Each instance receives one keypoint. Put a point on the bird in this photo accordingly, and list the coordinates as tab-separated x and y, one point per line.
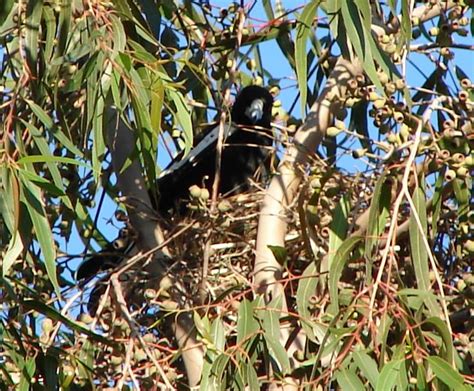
247	142
246	146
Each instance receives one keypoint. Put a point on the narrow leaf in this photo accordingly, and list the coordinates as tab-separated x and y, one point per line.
303	31
446	373
418	249
43	231
247	325
270	316
378	213
14	249
52	313
388	376
337	266
349	381
338	227
367	366
306	289
443	330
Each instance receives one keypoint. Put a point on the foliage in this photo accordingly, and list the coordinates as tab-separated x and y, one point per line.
380	239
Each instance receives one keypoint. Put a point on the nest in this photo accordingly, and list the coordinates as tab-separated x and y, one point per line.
212	254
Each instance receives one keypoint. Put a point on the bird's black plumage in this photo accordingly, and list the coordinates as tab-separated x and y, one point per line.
245	148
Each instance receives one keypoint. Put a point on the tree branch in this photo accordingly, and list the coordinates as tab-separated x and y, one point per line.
121	142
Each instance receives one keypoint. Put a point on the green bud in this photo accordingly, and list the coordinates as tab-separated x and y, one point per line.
333	131
469	246
400	84
251	64
379	103
275	90
358	153
47	326
195	191
450	175
258	81
434	31
204	194
224	206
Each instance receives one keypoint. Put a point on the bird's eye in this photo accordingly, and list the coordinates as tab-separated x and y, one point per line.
255	111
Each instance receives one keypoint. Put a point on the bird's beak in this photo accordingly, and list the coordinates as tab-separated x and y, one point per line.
255	111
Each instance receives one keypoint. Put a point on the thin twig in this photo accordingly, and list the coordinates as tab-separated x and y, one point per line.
117	290
406	193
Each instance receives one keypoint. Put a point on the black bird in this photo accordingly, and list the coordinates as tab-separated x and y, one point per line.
246	147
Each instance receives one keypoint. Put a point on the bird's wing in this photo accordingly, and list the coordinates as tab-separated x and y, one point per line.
207	143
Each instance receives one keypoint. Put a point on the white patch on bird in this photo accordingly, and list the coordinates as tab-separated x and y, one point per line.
209	140
255	111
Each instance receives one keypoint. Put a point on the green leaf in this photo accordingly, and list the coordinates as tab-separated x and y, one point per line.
303	31
247	325
43	183
14	249
421	378
416	297
437	203
5	9
267	6
348	380
443	330
51	159
306	289
48	158
463	194
34	10
367	366
86	359
359	124
337	266
98	146
447	374
280	253
388	376
378	213
218	334
338	227
183	118
157	99
332	8
202	325
119	37
27	374
251	377
148	138
406	34
48	124
53	314
359	31
219	369
42	115
65	15
50	34
32	199
9	202
270	317
418	249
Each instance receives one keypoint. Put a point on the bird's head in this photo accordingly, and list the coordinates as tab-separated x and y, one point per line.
253	106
